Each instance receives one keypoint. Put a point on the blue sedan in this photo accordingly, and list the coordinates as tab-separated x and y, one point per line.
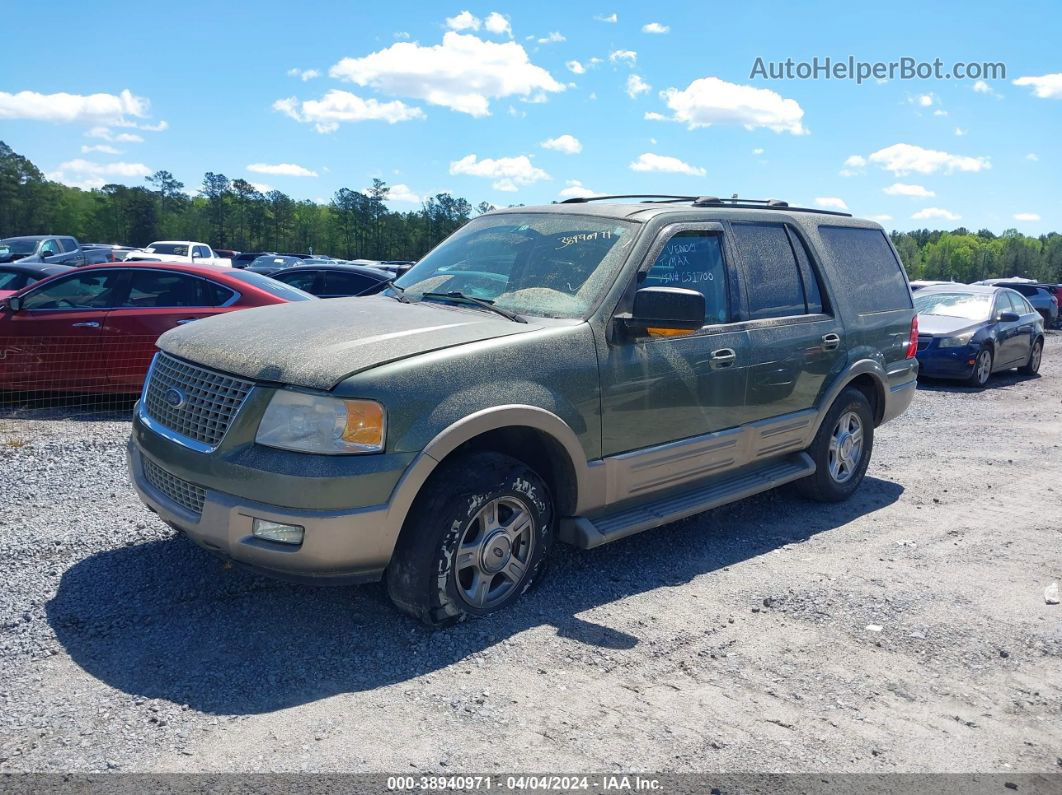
969	332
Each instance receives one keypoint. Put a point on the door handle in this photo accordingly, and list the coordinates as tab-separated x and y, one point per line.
724	357
89	324
830	341
187	320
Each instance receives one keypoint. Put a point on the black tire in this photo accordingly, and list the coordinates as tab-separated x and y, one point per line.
427	580
1032	366
824	486
980	375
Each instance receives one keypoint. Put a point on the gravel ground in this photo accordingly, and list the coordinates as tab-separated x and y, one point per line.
903	630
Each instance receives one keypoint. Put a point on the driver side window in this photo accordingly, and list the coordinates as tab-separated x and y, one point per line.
81	291
49	248
693	260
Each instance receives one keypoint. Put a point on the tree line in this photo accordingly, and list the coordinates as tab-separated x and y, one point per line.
226	213
232	213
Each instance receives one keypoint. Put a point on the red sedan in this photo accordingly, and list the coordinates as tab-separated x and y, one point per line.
94	329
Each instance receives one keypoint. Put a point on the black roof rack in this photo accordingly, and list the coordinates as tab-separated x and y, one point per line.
711	201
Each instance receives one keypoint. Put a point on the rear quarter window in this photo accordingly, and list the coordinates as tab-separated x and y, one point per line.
867	273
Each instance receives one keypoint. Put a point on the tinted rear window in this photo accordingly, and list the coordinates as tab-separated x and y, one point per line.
868	273
772	275
271	286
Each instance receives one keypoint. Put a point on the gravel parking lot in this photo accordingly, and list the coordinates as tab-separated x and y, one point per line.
904	630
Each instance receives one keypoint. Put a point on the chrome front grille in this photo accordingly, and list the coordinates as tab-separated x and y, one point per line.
180	491
192	401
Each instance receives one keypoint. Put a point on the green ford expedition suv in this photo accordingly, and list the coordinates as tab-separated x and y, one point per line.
580	371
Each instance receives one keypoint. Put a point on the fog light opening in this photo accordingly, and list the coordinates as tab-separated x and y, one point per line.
278	532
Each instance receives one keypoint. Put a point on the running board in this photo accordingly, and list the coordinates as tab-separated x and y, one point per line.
588	533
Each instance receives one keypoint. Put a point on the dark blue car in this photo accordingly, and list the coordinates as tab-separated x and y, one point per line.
969	332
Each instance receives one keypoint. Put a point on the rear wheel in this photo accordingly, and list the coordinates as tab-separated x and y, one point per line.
476	538
1032	366
982	368
841	449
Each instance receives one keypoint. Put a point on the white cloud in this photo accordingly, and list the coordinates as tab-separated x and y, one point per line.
939	112
960	131
162	125
103	148
466	20
903	159
508	173
830	203
553	38
1045	86
64	108
935	213
924	100
855	161
757	151
463	73
341	106
636	86
981	87
281	169
576	68
880	218
576	189
1032	156
610	18
709	100
1026	217
568	144
105	134
497	24
629	57
402	193
665	164
401	34
655	27
262	187
87	175
303	74
904	189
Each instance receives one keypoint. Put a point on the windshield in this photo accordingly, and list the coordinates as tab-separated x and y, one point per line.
550	265
272	286
19	246
168	248
970	306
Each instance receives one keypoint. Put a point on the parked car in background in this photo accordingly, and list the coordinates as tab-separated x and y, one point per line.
270	264
94	329
245	258
115	252
179	251
96	256
16	275
52	249
968	332
392	266
919	284
226	253
335	280
1041	296
580	372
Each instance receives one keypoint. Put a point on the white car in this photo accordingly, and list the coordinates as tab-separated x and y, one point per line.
187	251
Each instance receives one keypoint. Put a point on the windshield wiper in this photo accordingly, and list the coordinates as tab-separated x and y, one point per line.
482	302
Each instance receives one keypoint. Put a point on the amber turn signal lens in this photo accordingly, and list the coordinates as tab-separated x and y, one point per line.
365	423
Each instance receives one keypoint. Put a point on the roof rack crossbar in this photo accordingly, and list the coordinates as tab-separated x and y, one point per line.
711	201
672	197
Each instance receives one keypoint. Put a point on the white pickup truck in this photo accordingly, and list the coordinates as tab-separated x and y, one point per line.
186	251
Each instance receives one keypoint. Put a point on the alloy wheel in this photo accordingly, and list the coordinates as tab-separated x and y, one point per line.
494	552
846	447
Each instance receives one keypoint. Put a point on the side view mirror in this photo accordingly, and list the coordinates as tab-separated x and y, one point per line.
13	304
1009	317
666	311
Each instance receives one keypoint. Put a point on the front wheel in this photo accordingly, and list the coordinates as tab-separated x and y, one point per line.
982	368
475	540
841	449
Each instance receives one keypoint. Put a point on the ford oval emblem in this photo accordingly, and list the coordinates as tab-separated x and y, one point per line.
174	397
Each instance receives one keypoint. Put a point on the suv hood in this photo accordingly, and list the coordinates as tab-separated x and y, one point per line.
316	344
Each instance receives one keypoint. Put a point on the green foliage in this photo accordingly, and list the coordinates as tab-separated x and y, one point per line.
225	213
963	256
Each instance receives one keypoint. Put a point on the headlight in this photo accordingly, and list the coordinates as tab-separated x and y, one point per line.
956	342
321	424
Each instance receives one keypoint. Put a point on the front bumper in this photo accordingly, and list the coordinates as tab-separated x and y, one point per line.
339	547
936	362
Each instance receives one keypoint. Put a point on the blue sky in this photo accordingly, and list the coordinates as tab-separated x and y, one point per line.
527	102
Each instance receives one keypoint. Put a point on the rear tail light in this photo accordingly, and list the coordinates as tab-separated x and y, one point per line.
912	342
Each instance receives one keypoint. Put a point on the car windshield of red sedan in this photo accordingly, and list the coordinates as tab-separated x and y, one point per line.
970	306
